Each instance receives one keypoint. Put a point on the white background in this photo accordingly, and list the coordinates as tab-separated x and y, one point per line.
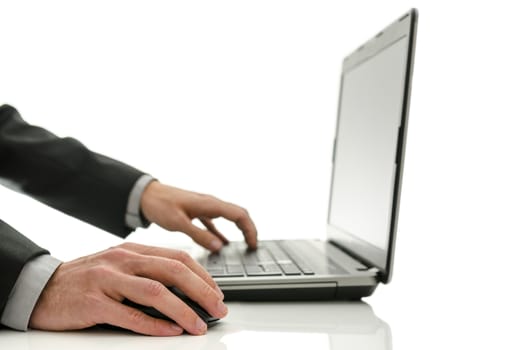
239	100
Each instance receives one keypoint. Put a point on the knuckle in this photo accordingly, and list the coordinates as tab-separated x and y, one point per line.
177	266
240	212
127	246
244	212
211	198
183	257
207	201
136	316
154	288
206	292
117	253
201	195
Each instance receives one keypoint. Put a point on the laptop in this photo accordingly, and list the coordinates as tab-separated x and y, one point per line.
364	195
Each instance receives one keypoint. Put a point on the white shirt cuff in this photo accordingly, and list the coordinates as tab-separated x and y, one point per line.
26	291
133	216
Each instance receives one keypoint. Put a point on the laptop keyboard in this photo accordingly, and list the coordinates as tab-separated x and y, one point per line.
271	259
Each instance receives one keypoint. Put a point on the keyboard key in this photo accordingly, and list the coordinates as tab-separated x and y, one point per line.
253	270
263	256
214	261
262	270
232	259
290	269
271	268
307	271
215	272
277	252
235	269
249	258
226	272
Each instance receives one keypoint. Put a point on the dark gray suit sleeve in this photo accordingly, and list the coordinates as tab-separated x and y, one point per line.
64	174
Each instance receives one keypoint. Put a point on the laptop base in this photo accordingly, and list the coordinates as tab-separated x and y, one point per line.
297	294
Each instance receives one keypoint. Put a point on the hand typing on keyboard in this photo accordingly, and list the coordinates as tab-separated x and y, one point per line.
174	209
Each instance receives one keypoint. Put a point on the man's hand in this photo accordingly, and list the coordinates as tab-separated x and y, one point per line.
174	209
90	291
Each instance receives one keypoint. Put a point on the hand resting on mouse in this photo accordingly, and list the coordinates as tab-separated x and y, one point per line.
90	290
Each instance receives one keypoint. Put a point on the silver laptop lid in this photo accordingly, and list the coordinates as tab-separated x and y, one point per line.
370	144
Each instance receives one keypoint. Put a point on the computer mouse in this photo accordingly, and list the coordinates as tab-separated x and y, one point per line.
200	311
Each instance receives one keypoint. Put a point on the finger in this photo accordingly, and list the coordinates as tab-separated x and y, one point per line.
210	226
236	214
178	255
152	293
203	237
127	317
247	226
174	273
243	221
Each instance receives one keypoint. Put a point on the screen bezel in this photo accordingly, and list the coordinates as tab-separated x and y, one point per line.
360	249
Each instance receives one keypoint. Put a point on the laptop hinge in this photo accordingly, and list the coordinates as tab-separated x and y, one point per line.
368	264
373	270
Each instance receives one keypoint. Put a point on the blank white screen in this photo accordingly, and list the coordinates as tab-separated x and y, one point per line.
367	136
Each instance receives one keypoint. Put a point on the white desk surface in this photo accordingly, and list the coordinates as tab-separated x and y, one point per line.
323	325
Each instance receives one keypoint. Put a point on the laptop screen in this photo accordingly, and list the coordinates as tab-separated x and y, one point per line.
367	157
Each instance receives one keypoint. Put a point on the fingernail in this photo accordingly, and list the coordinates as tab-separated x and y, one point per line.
201	327
215	245
220	292
222	308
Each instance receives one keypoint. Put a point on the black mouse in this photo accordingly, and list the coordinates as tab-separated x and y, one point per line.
200	311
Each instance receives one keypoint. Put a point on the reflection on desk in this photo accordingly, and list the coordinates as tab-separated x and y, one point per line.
303	325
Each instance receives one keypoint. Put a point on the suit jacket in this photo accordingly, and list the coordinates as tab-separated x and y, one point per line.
62	173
